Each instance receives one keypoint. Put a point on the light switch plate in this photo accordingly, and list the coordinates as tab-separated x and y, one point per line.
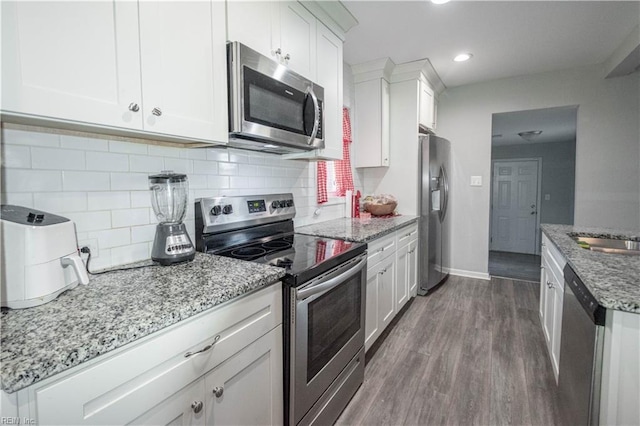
547	197
476	180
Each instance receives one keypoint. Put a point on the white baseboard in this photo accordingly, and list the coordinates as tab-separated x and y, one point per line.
470	274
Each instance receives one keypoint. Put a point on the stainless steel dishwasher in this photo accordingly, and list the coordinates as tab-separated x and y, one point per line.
581	345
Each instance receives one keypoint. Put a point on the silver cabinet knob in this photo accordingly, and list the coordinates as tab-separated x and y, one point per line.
156	111
277	52
287	57
196	406
218	391
134	107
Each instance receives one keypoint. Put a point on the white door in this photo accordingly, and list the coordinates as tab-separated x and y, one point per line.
514	215
180	87
297	32
76	61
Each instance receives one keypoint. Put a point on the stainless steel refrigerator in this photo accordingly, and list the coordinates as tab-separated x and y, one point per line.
434	225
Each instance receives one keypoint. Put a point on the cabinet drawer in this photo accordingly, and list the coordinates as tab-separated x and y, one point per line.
123	386
407	234
381	248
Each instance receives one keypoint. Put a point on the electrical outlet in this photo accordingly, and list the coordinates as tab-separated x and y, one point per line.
92	243
476	180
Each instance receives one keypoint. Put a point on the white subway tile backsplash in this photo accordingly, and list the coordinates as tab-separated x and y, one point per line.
60	202
198	181
85	181
164	151
129	217
57	159
25	180
142	234
218	182
111	237
107	161
205	167
178	165
24	199
128	147
217	154
16	156
90	221
227	169
129	181
144	163
108	200
22	137
238	157
195	154
132	253
83	143
140	199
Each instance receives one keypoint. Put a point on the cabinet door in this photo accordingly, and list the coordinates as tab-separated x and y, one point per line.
329	76
183	93
413	268
557	327
372	123
371	324
386	288
184	408
402	276
254	23
297	35
74	61
427	108
549	298
246	389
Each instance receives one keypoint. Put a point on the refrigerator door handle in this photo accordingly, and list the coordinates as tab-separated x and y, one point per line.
445	192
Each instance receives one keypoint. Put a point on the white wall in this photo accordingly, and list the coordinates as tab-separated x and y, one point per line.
607	149
102	185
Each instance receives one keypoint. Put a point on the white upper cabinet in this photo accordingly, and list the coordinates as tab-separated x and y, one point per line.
282	31
75	61
427	115
152	67
371	136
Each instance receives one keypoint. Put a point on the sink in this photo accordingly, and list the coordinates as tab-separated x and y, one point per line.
609	245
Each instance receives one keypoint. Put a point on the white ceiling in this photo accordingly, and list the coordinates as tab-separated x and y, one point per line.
557	125
507	38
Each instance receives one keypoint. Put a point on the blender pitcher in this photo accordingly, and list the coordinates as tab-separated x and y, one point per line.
169	197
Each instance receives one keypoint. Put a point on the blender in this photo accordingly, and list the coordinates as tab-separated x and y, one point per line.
169	196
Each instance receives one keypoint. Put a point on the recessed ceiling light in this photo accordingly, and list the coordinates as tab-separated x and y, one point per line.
439	1
463	57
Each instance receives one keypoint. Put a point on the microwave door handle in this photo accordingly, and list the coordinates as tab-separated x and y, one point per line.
327	285
316	115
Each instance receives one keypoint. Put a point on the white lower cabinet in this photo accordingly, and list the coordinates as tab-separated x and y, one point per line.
391	279
163	378
551	299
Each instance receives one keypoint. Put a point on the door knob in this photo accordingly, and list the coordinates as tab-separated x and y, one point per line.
196	406
218	391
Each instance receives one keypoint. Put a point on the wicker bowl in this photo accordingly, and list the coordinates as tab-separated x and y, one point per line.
380	209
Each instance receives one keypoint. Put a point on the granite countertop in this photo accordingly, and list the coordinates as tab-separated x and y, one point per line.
613	279
357	229
115	309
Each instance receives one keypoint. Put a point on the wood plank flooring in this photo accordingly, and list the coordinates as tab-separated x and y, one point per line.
470	353
514	265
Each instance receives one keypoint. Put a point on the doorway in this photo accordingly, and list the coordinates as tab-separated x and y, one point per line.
532	182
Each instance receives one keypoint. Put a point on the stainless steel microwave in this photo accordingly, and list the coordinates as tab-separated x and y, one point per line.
271	108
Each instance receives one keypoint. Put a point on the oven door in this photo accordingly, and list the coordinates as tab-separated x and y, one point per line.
327	333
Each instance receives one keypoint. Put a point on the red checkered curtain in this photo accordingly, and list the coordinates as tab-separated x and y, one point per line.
321	179
344	177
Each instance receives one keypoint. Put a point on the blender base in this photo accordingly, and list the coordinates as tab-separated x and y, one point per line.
172	244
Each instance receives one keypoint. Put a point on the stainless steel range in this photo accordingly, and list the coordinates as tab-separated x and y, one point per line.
324	297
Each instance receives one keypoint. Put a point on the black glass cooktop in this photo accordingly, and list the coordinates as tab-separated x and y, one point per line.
303	256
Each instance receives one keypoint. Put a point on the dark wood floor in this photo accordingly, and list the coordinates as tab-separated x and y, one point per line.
472	352
518	266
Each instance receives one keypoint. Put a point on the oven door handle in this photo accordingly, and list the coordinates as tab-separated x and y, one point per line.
322	286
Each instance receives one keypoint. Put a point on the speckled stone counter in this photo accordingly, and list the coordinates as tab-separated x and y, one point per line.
358	230
613	279
115	309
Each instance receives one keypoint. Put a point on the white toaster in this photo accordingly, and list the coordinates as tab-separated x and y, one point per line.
40	257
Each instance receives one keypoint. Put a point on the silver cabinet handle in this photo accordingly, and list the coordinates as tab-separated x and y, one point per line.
287	57
206	348
196	406
156	111
218	391
278	51
134	107
381	249
549	284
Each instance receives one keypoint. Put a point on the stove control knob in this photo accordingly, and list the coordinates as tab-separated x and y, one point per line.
228	209
276	204
216	210
289	203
